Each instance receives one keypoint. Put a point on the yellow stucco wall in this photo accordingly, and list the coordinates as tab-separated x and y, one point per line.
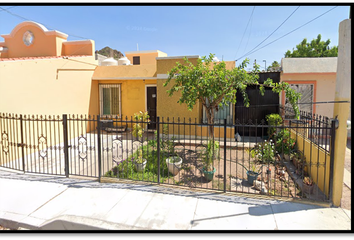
37	87
146	58
124	71
86	47
325	85
314	156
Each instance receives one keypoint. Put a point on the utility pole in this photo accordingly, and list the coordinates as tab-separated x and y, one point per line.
265	65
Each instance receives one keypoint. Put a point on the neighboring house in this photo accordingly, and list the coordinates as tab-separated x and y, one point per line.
315	79
43	73
100	58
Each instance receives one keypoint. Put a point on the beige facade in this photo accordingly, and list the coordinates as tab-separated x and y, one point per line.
319	72
42	73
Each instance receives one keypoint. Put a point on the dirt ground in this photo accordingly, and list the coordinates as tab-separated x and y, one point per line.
236	179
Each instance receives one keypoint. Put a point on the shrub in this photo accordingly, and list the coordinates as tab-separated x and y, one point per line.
264	152
284	143
273	119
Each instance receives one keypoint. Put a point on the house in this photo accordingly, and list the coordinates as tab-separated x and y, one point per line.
315	79
43	73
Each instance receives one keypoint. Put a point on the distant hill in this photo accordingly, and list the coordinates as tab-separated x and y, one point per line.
107	50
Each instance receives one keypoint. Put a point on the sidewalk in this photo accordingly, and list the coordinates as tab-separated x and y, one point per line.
58	203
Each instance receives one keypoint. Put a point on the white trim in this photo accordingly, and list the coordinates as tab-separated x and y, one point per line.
101	86
162	76
177	57
125	78
31	23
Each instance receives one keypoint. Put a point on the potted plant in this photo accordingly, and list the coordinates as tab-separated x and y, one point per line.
307	185
138	129
174	164
252	172
210	154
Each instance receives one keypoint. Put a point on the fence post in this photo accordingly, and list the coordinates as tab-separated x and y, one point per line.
22	145
158	148
99	147
224	155
66	144
331	163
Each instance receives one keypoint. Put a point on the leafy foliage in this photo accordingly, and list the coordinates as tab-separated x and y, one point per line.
274	65
264	152
315	48
273	119
211	153
211	84
284	143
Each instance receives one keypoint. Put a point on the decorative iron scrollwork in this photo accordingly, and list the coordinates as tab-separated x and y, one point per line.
117	150
82	148
42	146
5	142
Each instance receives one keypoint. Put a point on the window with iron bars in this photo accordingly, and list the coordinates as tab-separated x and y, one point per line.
224	112
110	103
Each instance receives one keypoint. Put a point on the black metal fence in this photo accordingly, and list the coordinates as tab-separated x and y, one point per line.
273	160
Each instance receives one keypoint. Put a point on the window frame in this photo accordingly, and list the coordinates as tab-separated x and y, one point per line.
218	121
134	59
110	86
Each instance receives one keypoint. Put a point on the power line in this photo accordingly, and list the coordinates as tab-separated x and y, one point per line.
245	30
26	19
8	8
288	33
248	35
274	30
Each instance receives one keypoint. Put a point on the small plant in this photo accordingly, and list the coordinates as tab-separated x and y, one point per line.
284	143
210	154
264	152
308	181
138	128
273	119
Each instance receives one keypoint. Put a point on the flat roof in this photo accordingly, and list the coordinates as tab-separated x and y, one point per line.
144	51
178	57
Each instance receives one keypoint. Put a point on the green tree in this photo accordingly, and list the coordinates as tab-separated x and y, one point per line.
315	48
275	64
213	85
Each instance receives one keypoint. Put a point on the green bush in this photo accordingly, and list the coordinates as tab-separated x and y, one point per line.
284	143
264	152
273	119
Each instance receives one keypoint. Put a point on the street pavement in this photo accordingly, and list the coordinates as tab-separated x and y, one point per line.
42	202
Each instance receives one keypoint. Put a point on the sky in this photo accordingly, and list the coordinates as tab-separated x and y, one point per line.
229	32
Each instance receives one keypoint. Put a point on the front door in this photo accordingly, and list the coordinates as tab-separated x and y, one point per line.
151	106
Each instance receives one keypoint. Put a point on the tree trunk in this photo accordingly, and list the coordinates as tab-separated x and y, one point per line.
210	118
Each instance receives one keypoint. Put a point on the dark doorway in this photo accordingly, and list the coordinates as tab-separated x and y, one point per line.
151	106
260	106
